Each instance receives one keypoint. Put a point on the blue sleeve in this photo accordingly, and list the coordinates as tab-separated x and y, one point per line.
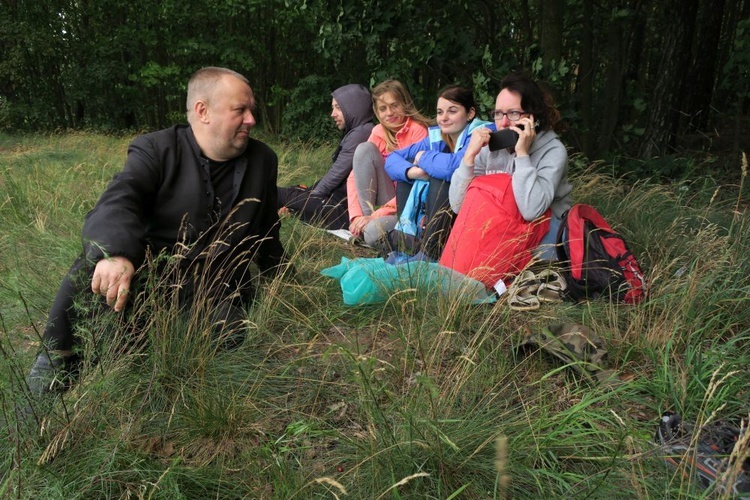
441	165
401	160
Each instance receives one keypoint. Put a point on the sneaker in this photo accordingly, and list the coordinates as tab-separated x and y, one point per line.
709	458
52	371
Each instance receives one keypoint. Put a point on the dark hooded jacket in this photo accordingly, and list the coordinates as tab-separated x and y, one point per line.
355	102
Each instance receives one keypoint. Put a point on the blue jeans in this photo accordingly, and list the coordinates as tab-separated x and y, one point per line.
546	249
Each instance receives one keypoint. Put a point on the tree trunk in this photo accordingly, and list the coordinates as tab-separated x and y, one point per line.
585	79
551	21
609	114
527	31
703	70
673	71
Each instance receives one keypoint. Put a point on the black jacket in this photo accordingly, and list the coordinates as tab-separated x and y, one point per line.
163	201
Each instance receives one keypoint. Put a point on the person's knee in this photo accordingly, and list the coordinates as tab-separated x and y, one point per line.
373	235
364	153
376	232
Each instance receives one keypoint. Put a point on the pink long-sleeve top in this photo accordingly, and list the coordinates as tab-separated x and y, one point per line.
407	135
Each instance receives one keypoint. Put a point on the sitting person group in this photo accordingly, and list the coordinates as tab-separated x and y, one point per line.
206	195
439	192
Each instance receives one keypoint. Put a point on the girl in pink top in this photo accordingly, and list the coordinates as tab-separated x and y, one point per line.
370	192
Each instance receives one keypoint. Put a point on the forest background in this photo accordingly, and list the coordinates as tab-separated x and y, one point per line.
637	80
422	396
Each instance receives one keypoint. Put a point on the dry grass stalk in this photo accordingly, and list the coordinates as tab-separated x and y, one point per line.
501	462
740	453
404	481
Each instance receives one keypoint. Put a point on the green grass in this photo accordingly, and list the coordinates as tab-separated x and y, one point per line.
419	397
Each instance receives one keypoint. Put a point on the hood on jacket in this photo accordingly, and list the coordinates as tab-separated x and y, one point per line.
355	102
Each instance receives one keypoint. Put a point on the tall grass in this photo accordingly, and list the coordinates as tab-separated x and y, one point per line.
423	396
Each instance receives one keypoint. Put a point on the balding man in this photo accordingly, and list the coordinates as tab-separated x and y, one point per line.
204	193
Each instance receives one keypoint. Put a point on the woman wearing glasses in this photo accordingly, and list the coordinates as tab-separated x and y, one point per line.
532	186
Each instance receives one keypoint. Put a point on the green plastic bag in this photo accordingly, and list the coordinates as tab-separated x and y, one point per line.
373	281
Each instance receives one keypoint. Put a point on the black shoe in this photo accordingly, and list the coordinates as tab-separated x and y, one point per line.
50	373
228	325
48	376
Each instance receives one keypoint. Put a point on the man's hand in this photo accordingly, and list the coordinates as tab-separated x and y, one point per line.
283	212
112	279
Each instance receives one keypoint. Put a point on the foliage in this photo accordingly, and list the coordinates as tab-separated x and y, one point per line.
736	73
115	66
309	118
413	398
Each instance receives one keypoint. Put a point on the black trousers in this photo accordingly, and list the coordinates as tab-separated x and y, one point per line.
216	289
327	212
439	220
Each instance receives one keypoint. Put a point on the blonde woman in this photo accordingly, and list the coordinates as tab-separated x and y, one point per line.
371	193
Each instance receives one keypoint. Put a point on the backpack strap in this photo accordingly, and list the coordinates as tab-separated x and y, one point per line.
589	213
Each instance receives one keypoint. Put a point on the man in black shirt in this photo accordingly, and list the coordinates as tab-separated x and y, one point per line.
204	193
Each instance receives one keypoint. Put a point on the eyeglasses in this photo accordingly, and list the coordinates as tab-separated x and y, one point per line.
513	116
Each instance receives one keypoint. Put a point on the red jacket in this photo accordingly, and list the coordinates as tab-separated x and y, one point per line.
490	240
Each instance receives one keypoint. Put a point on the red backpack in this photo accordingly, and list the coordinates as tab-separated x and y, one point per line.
596	260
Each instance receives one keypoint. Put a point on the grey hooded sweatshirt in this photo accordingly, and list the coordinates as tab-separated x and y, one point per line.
539	180
355	102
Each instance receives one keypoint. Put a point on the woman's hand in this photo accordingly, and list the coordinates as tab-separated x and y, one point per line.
479	138
415	173
357	226
526	135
